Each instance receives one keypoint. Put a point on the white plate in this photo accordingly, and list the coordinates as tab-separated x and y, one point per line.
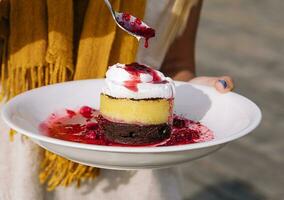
230	116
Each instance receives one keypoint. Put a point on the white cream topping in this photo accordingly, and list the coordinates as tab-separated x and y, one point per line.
117	76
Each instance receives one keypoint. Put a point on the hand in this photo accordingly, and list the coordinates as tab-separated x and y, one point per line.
223	84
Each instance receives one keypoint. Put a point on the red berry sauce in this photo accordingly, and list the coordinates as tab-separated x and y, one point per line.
86	112
83	129
136	69
136	26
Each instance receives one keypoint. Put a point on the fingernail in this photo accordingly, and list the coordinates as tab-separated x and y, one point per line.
224	83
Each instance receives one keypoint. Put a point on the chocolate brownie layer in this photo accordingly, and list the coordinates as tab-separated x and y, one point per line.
133	134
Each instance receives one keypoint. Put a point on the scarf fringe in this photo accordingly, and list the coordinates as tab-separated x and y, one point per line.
55	170
11	135
22	78
58	171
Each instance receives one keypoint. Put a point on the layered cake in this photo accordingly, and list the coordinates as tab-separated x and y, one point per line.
136	105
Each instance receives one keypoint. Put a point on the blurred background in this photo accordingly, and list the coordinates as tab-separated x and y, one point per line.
244	39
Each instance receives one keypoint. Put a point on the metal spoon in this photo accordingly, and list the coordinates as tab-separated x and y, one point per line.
132	25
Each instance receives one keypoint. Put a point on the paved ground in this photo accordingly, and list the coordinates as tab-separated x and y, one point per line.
244	39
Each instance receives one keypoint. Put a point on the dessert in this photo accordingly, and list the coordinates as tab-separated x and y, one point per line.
136	105
135	110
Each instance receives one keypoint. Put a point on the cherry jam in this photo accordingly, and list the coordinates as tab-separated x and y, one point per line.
136	69
136	26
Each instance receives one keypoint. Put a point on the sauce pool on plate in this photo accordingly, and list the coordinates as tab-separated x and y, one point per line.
82	126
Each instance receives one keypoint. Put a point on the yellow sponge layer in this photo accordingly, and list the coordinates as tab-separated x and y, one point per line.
156	111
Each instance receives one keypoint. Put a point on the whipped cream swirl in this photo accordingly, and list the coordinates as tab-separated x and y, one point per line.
138	82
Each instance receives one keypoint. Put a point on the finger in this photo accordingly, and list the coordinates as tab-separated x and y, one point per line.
224	84
204	80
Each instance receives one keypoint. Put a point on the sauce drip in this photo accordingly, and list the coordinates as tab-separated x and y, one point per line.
79	127
136	26
136	69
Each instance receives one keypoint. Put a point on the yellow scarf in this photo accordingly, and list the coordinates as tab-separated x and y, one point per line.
51	41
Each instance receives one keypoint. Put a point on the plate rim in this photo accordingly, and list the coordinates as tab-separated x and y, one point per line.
163	149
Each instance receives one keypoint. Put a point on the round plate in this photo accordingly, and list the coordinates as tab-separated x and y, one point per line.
230	116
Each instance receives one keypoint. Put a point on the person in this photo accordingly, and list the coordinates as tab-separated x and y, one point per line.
172	51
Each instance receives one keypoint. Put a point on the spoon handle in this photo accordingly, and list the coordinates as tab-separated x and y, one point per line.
110	8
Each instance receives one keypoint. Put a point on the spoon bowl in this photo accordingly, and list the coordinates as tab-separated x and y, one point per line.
132	25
